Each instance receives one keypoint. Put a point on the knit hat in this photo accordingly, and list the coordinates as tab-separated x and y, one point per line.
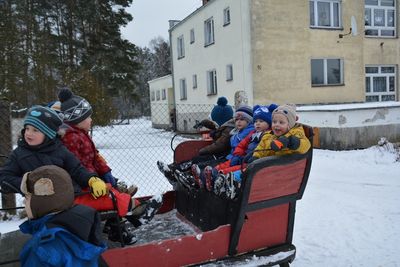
44	119
50	188
264	113
222	112
74	108
244	112
289	111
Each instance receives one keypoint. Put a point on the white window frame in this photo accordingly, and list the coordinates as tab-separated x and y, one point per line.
194	80
229	72
181	47
325	72
163	94
369	78
183	89
227	16
381	30
209	32
314	18
211	82
192	37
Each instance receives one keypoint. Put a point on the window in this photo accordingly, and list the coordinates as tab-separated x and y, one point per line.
192	36
227	16
380	83
163	94
380	17
153	96
326	72
182	87
194	79
212	82
229	72
158	95
209	32
181	47
325	14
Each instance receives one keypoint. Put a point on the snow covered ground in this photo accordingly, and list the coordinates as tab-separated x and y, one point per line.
349	214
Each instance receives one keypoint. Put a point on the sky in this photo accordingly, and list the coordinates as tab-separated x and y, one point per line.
348	215
150	18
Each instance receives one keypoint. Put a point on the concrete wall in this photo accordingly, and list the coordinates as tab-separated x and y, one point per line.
353	126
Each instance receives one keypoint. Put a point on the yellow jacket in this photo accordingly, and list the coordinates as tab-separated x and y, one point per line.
264	147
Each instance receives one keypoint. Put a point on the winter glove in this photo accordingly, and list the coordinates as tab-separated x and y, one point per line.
236	160
109	178
294	142
291	142
97	187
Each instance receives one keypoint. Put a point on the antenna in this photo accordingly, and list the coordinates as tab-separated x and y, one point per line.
353	28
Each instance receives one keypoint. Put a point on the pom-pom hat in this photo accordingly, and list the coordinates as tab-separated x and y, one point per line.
44	119
222	112
264	113
244	112
74	108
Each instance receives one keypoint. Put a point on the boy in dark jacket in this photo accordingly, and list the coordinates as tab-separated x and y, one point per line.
62	234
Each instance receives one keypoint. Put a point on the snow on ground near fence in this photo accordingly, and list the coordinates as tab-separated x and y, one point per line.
349	214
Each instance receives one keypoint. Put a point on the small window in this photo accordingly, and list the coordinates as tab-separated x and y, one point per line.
227	16
326	72
325	13
181	47
209	32
212	82
192	36
163	94
158	95
153	96
229	72
380	83
183	90
380	18
194	79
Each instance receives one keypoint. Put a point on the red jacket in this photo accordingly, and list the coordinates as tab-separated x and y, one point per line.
81	145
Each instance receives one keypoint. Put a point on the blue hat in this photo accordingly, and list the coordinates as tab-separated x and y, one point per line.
264	113
222	112
44	119
244	112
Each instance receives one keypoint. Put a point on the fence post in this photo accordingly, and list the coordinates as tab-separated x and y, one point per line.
7	200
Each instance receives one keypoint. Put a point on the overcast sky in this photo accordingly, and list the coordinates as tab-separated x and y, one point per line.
150	18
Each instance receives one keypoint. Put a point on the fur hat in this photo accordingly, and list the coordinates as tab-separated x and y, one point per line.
264	113
289	111
222	112
244	112
44	119
74	108
50	189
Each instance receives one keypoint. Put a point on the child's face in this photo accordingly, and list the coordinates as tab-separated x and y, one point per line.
261	125
280	124
86	124
33	136
241	124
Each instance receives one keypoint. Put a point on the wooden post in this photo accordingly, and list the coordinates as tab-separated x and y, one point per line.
7	200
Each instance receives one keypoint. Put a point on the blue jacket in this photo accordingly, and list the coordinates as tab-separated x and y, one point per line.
239	136
52	245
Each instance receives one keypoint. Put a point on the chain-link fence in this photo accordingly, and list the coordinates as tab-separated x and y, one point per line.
133	147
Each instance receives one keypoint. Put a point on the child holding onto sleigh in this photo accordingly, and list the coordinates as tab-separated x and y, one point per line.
39	146
63	234
285	137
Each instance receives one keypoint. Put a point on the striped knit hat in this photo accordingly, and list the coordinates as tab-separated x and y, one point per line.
44	119
245	113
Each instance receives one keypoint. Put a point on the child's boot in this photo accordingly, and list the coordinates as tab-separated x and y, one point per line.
196	174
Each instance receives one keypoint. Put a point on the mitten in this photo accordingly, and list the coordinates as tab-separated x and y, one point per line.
109	178
294	142
97	187
280	143
236	160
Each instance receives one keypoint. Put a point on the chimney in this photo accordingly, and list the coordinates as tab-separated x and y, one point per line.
172	23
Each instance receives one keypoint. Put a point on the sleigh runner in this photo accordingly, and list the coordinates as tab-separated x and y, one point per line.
259	221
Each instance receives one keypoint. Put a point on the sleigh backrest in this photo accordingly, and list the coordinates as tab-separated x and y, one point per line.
189	149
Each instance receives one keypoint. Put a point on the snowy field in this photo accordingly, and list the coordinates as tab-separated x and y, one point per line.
349	214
